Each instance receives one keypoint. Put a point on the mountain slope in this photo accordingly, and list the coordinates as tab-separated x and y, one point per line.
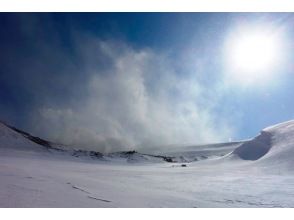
273	146
14	139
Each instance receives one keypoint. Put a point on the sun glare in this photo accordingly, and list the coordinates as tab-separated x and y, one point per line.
253	53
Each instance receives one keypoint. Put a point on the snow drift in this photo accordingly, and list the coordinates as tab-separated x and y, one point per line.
273	146
255	148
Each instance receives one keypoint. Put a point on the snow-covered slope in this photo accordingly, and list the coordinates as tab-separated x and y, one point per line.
254	173
193	153
13	140
273	147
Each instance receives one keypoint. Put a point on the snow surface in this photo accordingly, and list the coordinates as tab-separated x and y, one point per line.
254	173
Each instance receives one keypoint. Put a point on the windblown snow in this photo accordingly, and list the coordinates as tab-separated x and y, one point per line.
253	173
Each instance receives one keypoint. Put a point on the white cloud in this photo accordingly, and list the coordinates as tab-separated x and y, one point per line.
131	98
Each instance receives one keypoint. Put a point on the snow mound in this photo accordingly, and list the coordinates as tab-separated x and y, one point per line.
274	145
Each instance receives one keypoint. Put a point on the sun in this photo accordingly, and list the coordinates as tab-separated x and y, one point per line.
253	53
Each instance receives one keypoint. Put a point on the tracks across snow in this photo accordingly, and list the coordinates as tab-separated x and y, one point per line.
103	200
87	192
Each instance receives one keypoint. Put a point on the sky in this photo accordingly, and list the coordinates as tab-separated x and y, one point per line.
116	81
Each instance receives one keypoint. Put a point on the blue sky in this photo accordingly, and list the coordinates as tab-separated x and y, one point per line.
111	80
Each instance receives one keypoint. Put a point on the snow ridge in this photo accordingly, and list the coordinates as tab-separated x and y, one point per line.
274	146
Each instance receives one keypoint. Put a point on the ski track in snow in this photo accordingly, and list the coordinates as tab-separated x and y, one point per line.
85	191
103	200
78	188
